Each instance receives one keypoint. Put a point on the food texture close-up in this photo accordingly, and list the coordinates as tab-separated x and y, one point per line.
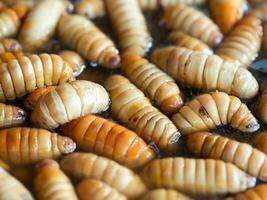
133	99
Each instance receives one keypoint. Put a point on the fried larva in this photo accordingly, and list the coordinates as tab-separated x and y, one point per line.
40	24
257	193
226	13
69	101
23	75
197	176
87	165
130	106
51	183
156	84
9	45
207	111
181	39
260	141
76	62
11	116
243	43
21	146
8	56
164	194
243	155
207	72
32	99
12	189
130	26
82	35
90	8
262	105
92	189
194	23
98	135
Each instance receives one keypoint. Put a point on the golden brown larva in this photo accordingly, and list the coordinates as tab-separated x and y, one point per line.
207	72
130	106
87	165
51	183
82	35
90	8
9	45
260	141
207	111
130	26
87	188
194	23
40	24
262	105
23	75
181	39
257	193
22	146
196	176
69	101
156	84
226	13
243	155
243	43
165	194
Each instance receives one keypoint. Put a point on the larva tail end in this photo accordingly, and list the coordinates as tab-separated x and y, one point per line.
112	62
217	39
172	104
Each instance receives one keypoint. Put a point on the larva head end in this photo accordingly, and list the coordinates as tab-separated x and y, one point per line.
113	62
217	39
68	145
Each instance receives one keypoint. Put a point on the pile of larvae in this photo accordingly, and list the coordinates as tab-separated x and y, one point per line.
119	133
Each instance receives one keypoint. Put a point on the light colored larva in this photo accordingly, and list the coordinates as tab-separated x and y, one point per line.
243	43
207	111
92	189
23	75
21	146
194	23
243	155
130	106
130	26
181	39
207	72
51	183
159	87
165	194
87	165
170	3
197	176
82	35
69	101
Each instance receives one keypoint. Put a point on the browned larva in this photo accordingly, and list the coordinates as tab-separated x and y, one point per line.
21	146
260	141
50	183
87	165
69	101
197	176
181	39
100	136
156	84
226	13
90	8
82	35
207	111
130	26
262	105
207	72
9	45
243	43
92	189
243	155
165	194
8	56
194	23
23	75
11	116
11	188
257	193
130	106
